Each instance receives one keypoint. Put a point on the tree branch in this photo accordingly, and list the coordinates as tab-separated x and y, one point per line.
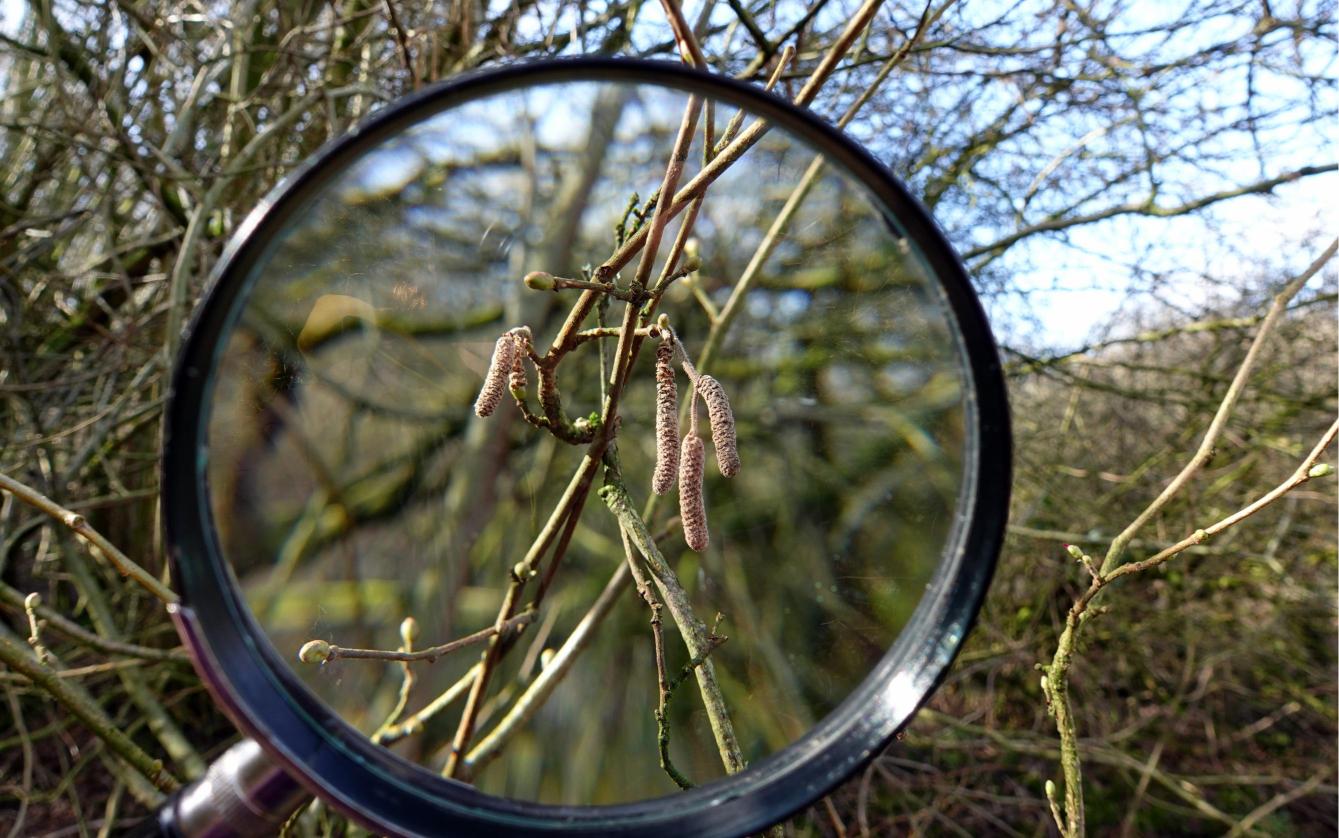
1145	208
97	544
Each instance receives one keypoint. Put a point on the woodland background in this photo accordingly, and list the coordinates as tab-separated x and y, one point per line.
1130	185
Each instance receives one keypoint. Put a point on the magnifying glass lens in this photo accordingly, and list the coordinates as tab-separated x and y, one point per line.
362	504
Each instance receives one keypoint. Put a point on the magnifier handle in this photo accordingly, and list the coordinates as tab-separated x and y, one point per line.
242	794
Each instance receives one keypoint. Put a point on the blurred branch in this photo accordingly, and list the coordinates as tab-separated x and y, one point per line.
538	691
21	660
395	732
1026	364
1277	802
402	41
1147	208
721	322
1095	751
97	544
765	47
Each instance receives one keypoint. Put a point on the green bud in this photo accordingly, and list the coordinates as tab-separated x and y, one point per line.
408	631
692	264
539	281
1320	470
314	651
1074	551
1050	789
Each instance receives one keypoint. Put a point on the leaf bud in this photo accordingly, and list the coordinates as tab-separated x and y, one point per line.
539	281
314	651
408	631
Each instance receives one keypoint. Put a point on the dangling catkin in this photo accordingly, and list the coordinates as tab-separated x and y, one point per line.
516	381
722	424
692	510
494	381
667	420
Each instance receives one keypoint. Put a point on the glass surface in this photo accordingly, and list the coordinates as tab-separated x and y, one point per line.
353	485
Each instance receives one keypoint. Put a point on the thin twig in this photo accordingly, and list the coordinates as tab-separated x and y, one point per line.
683	35
602	332
565	516
722	320
1299	476
694	632
408	633
21	660
323	652
415	723
402	42
98	545
1277	802
708	175
662	678
1055	683
1225	407
56	621
548	679
541	281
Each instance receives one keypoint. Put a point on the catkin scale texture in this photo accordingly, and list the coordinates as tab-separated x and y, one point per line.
496	379
516	380
692	509
667	421
722	425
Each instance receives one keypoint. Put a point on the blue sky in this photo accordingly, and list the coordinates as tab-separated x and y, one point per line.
10	11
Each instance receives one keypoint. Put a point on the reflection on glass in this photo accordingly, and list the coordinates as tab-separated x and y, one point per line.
354	486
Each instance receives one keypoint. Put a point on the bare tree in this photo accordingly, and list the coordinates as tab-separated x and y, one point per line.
136	135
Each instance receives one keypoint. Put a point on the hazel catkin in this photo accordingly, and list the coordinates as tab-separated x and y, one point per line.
667	420
692	509
496	379
516	379
722	424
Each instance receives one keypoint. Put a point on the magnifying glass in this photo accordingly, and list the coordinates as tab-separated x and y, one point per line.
593	446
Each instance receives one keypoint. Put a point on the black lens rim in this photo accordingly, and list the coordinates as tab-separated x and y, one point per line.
387	793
